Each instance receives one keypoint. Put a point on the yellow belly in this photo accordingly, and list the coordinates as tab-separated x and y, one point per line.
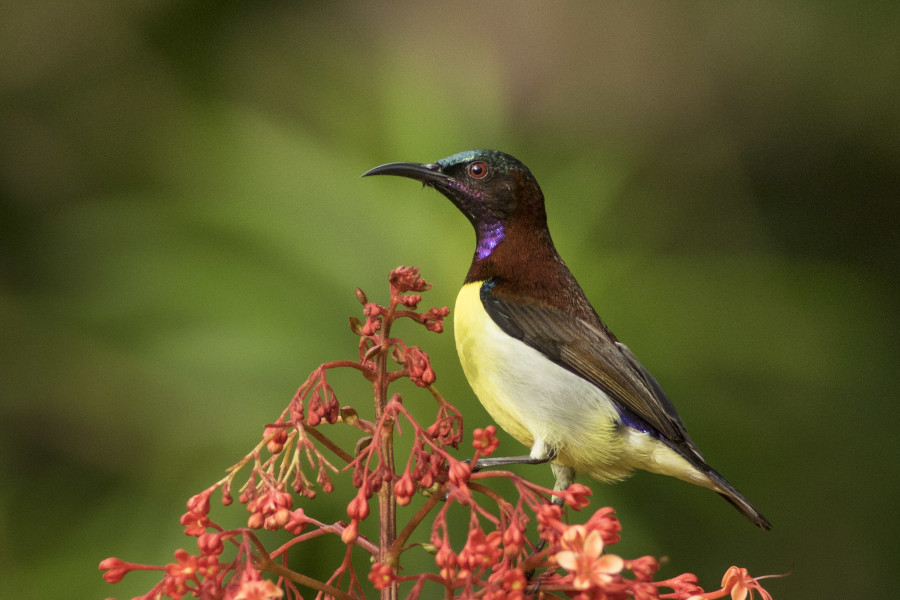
471	323
537	402
543	405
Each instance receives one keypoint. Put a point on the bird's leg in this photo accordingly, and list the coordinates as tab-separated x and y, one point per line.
565	476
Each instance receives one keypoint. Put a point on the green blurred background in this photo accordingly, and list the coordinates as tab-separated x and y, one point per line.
182	225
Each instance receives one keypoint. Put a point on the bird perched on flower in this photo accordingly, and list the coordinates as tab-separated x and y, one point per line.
536	353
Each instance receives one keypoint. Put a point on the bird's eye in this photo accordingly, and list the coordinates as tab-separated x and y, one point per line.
477	170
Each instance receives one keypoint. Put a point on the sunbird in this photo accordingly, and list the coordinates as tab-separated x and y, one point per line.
541	361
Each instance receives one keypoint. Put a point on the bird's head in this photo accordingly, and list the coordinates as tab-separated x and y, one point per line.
488	186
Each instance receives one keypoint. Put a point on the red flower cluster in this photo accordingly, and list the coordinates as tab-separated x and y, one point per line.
496	558
419	366
270	509
406	279
323	406
196	519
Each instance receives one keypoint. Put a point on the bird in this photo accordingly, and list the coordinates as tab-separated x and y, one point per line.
538	356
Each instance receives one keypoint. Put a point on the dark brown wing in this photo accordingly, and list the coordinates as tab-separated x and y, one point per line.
591	354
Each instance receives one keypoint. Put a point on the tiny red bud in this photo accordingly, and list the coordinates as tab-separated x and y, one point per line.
445	557
350	533
410	301
255	521
418	365
278	436
358	509
199	503
297	522
460	473
404	489
115	569
278	519
513	540
210	544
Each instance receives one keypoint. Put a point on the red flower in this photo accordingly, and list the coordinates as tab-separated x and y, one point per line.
643	568
381	576
506	584
514	583
434	319
549	524
195	523
583	557
261	589
605	521
481	551
484	440
179	573
411	301
739	584
577	495
406	279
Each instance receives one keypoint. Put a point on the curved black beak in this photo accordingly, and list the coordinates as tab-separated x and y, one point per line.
427	174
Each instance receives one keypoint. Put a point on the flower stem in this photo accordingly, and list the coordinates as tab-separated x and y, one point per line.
387	502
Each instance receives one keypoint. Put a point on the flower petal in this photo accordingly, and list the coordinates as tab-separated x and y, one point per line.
610	563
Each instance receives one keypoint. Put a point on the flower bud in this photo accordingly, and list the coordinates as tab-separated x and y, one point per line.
404	489
350	533
199	503
210	544
277	520
459	473
358	509
255	521
297	522
115	569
